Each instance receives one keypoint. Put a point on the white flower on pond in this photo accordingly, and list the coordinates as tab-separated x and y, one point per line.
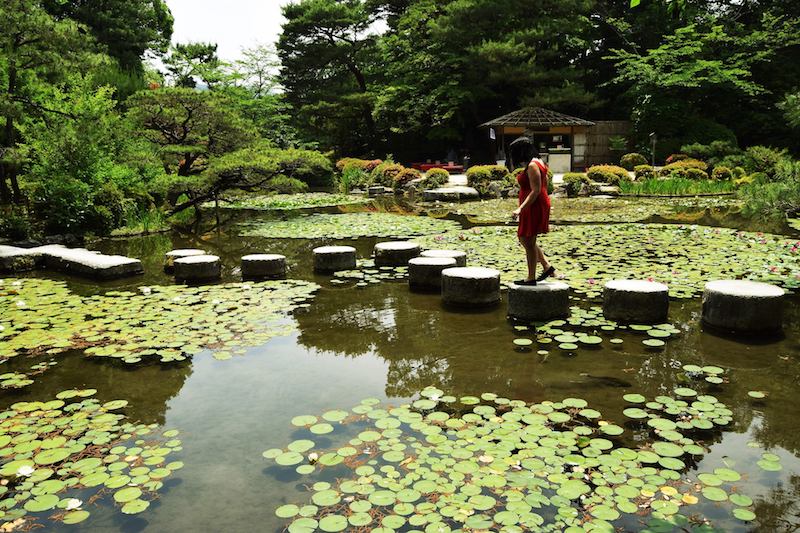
21	303
145	290
73	503
25	471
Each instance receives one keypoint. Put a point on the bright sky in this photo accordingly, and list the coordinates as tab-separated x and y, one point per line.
232	24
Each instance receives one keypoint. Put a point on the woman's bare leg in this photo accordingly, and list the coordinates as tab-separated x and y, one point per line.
529	243
541	258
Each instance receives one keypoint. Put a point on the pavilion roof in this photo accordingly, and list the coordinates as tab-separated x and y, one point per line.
533	117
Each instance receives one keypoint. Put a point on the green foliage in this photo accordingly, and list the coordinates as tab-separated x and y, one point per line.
386	173
713	153
631	161
126	28
764	159
436	177
791	109
574	182
687	169
352	177
775	196
367	165
187	63
722	173
644	172
188	127
610	174
480	176
286	185
405	176
675	187
15	223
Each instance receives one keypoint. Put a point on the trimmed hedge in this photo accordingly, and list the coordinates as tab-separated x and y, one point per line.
367	165
674	158
405	176
631	161
479	177
574	182
386	173
686	168
610	174
644	172
437	177
722	174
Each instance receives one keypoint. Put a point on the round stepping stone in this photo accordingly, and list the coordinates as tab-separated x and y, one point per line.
170	257
334	258
544	301
259	266
470	286
425	273
460	257
198	268
743	306
394	254
635	301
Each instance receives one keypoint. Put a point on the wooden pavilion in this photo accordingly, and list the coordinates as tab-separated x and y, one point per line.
561	139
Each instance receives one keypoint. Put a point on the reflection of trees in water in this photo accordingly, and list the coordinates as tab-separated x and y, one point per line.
780	509
147	387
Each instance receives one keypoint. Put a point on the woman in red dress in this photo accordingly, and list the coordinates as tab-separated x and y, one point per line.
533	212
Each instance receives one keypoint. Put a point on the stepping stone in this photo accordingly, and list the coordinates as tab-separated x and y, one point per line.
259	266
425	273
743	306
394	254
373	192
334	258
460	257
170	257
13	259
198	268
90	264
450	194
547	300
470	286
635	301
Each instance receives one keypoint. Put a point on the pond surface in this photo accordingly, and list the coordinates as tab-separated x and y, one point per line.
381	341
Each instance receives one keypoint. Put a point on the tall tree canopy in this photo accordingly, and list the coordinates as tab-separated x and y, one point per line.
127	28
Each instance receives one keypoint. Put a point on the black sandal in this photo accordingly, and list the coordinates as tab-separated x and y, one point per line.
526	282
547	273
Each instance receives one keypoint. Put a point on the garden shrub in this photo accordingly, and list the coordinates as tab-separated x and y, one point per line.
574	182
744	180
631	161
405	176
480	176
721	173
712	153
437	177
352	177
674	158
738	172
610	174
367	165
644	172
286	185
684	167
14	223
764	159
386	173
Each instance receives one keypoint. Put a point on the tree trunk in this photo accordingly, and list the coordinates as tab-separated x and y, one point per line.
362	85
8	173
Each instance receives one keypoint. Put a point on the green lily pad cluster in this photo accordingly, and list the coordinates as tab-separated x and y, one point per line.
485	462
168	323
684	257
14	380
349	226
287	202
586	328
53	452
711	374
590	210
366	273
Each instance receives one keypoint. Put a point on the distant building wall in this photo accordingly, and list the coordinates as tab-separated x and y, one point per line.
596	150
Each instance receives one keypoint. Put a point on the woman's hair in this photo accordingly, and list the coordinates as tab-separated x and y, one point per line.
522	151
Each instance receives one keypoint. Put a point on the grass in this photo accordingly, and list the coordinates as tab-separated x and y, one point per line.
142	222
675	187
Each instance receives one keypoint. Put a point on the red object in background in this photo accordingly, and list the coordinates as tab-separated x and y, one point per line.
424	167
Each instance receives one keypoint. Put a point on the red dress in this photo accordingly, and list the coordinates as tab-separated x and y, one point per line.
535	218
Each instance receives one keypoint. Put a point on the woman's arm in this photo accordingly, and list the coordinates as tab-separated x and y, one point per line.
535	177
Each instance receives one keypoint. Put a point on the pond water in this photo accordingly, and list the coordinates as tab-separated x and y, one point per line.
378	340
